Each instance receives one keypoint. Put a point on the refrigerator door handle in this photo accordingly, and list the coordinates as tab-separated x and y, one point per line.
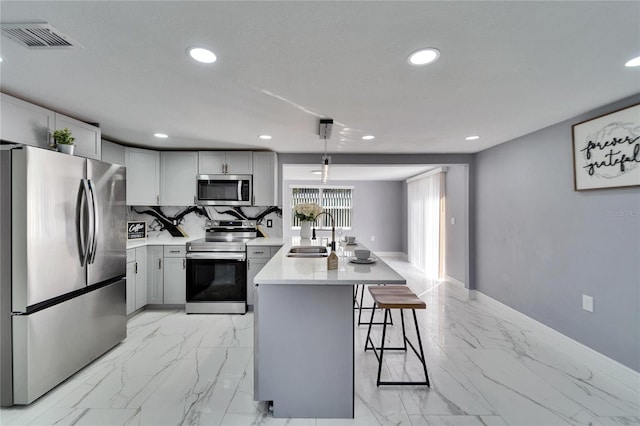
84	214
96	223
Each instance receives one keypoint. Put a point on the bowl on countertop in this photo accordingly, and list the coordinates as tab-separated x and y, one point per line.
362	254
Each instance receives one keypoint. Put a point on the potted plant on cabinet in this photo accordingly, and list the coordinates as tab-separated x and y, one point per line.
63	140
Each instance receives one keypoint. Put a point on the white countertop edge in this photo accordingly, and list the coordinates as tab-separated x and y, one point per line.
261	241
283	270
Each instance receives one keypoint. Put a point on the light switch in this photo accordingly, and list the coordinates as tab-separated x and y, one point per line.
587	303
453	220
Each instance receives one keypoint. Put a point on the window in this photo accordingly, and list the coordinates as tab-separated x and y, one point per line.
335	200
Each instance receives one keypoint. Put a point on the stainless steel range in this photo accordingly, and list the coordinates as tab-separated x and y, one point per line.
217	268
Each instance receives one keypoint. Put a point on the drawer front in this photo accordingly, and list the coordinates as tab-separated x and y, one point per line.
258	252
131	255
175	251
274	250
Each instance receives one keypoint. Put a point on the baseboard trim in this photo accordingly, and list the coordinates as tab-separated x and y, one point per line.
452	280
619	372
392	254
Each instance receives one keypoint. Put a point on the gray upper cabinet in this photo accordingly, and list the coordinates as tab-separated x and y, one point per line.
112	152
265	179
143	177
87	137
225	162
22	122
29	124
178	170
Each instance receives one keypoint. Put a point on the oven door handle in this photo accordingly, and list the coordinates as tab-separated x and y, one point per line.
218	256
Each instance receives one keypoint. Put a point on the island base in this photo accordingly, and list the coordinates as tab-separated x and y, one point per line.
304	350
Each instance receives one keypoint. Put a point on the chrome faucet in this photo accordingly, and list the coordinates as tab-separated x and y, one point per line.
333	229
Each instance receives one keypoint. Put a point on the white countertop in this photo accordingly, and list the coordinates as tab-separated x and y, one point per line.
266	242
161	240
313	271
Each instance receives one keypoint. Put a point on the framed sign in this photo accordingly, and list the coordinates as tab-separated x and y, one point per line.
136	230
606	150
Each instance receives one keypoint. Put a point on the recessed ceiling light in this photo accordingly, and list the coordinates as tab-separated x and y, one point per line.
472	138
424	56
265	137
1	59
160	135
316	172
202	55
635	62
368	137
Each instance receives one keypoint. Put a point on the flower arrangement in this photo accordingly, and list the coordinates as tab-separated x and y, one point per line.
307	211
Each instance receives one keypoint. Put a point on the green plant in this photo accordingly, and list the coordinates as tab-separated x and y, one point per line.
63	137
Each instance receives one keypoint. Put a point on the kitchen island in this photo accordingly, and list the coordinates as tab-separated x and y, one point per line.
304	332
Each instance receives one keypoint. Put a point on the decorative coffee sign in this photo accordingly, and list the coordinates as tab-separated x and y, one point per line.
136	230
606	150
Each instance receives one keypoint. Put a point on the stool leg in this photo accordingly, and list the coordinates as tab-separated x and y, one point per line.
355	296
360	306
384	333
404	332
424	360
366	342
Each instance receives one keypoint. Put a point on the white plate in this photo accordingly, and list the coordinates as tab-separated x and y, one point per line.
362	261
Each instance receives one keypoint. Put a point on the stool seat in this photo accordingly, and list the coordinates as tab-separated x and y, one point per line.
396	297
392	288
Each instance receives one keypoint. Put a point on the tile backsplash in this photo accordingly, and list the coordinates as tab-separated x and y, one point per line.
190	221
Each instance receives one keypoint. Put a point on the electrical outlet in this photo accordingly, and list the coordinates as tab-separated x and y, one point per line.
269	223
587	303
373	238
453	220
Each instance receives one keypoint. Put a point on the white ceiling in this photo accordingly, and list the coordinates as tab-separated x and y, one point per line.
506	69
356	172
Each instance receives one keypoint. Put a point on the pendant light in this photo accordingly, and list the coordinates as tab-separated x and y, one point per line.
324	171
325	133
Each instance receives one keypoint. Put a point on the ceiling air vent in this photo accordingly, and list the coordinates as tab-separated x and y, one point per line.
38	36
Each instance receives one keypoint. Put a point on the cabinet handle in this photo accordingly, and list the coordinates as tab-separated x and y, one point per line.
157	199
136	267
184	263
159	263
258	252
248	264
174	251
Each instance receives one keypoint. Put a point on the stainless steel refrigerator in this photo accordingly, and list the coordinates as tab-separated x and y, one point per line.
63	266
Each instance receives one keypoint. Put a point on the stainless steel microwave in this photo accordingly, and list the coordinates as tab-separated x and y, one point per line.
224	190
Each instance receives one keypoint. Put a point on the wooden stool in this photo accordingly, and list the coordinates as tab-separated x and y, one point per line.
360	305
396	299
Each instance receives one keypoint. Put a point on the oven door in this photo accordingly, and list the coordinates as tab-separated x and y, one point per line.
216	282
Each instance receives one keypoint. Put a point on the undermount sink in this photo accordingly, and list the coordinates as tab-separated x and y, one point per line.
308	251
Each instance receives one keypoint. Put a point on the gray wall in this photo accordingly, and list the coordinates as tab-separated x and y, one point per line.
541	246
456	235
377	211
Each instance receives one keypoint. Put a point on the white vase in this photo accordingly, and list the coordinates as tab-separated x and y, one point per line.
65	148
305	229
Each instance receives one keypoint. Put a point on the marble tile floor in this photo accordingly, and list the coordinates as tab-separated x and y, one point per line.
178	369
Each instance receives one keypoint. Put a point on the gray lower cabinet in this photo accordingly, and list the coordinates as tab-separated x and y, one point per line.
155	287
175	275
257	257
136	279
131	283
